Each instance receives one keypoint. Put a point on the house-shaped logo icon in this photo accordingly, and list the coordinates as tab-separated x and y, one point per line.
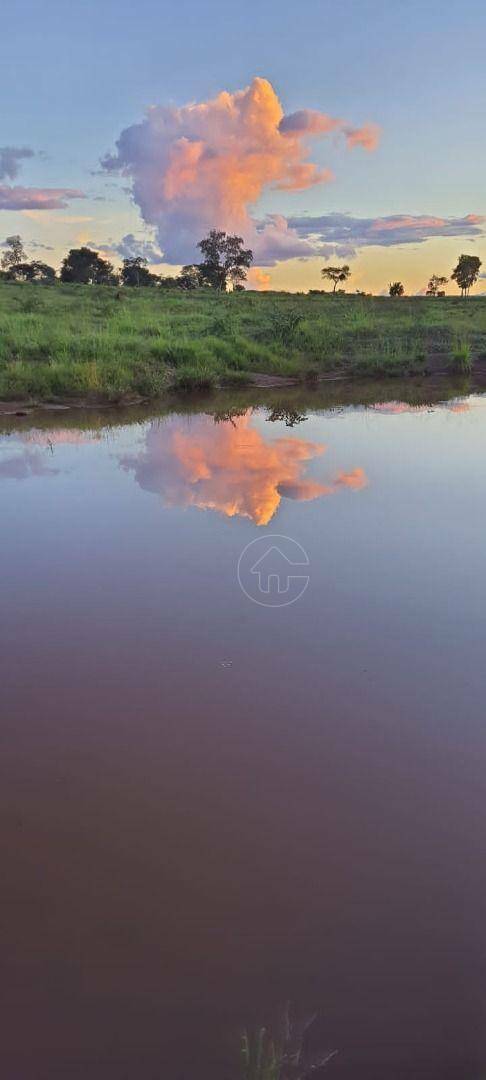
273	570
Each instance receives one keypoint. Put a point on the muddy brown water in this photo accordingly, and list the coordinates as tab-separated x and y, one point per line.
211	805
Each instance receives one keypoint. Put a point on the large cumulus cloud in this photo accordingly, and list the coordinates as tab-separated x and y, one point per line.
206	165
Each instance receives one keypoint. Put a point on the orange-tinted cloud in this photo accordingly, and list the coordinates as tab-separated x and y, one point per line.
341	234
230	467
367	136
30	198
407	221
205	165
356	480
258	279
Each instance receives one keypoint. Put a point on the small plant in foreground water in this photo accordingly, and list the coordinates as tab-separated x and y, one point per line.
287	1057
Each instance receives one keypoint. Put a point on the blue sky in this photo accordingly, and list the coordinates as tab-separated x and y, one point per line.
75	75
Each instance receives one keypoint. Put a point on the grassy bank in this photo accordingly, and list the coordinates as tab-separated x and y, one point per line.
106	344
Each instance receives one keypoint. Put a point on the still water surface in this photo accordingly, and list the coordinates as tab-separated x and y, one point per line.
209	805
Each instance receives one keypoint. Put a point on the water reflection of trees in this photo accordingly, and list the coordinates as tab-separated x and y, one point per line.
290	417
229	416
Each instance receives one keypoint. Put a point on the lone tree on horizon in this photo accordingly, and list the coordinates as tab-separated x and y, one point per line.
337	274
436	286
14	253
224	260
466	272
396	288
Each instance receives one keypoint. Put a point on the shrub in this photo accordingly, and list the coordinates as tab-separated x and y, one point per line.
195	377
461	361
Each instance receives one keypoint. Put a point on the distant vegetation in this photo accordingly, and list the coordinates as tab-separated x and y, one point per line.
224	267
225	263
110	343
436	286
105	334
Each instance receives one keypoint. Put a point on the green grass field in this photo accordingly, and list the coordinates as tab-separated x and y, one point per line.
108	344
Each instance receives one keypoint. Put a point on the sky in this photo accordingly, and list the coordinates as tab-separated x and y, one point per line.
321	133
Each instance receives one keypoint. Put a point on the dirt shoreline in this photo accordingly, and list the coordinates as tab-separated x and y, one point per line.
431	380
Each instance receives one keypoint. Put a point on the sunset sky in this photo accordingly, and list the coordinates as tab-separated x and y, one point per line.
320	132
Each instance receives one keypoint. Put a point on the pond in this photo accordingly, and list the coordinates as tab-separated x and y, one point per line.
243	743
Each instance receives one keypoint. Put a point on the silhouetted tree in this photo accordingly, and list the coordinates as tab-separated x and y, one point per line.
14	252
86	267
135	272
168	282
224	260
32	271
396	288
190	277
436	286
337	274
466	272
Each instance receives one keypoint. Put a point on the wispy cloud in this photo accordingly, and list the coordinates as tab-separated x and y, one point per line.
130	247
367	136
37	245
206	165
31	198
24	465
312	122
342	234
10	159
16	198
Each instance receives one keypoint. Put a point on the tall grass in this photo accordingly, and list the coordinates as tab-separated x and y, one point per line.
461	360
109	343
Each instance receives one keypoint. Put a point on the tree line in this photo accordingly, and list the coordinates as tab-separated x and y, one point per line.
225	263
465	274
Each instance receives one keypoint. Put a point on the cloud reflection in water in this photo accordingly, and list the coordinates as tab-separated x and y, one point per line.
230	467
